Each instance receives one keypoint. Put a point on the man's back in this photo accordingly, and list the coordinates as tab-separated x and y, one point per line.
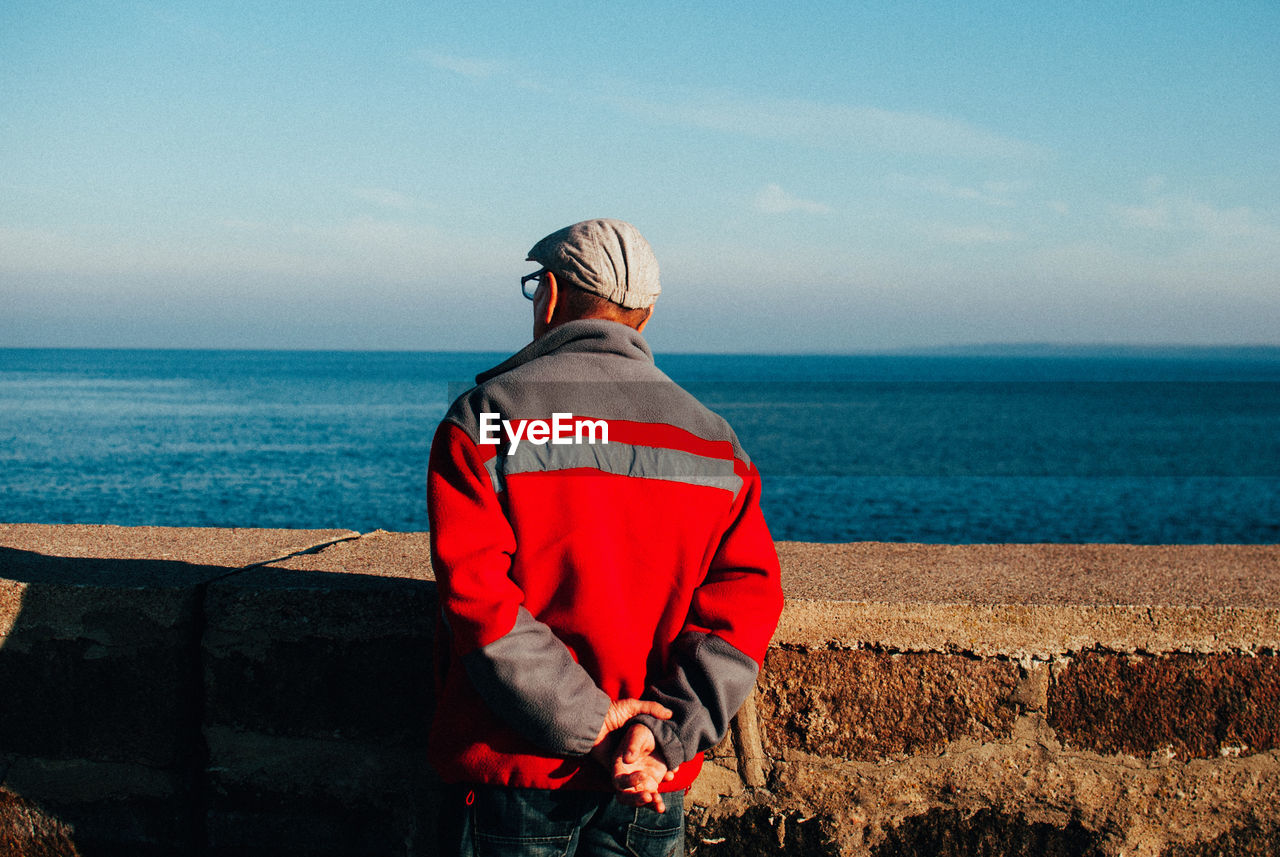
611	529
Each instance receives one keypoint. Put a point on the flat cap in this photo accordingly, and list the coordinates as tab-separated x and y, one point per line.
609	258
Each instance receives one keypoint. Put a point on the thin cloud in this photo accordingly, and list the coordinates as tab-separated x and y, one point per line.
33	251
802	121
831	126
465	66
365	247
1185	214
772	199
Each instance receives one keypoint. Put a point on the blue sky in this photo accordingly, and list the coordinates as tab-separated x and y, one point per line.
813	176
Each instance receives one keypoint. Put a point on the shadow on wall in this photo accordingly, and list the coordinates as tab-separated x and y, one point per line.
99	722
164	707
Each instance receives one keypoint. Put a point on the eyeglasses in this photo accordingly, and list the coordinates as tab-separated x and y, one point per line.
534	278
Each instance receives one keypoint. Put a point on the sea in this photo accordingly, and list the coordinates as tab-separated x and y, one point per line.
1122	445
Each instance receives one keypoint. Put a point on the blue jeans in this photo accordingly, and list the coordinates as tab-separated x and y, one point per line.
488	821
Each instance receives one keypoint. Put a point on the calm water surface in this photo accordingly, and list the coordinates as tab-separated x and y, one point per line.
1121	448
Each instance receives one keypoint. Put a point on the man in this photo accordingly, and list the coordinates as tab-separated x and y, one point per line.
608	585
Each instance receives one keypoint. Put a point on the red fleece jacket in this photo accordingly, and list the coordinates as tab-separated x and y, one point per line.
576	573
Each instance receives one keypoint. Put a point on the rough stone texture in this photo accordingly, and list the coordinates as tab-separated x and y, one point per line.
111	808
1031	601
1027	783
868	705
26	831
318	693
383	554
136	691
761	831
273	795
951	833
918	699
1032	692
322	646
1023	632
748	744
99	641
230	547
1259	837
1045	574
1195	706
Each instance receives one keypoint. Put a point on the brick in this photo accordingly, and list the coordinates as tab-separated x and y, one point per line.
868	705
1200	706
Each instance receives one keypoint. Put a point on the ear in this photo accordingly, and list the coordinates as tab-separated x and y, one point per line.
640	327
553	298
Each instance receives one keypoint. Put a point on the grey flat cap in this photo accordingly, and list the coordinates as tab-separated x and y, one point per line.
609	258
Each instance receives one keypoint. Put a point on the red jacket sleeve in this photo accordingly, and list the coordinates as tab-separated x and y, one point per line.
740	600
717	656
522	671
471	542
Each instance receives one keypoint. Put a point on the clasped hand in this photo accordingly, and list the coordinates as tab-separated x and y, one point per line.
631	756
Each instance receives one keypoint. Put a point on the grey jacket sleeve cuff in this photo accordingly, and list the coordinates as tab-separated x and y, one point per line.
529	679
667	738
708	682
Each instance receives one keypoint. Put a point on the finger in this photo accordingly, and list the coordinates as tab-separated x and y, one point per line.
613	719
633	781
658	805
636	781
639	744
654	709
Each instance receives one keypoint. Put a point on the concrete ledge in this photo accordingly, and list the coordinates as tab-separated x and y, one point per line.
1031	601
221	692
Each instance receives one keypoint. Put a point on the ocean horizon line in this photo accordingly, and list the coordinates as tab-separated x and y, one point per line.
1046	349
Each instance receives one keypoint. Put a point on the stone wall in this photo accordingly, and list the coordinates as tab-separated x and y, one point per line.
254	692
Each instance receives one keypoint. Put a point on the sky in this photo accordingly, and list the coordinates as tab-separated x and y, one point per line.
813	176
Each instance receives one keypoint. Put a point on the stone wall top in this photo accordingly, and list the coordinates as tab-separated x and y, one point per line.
1020	601
1032	600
